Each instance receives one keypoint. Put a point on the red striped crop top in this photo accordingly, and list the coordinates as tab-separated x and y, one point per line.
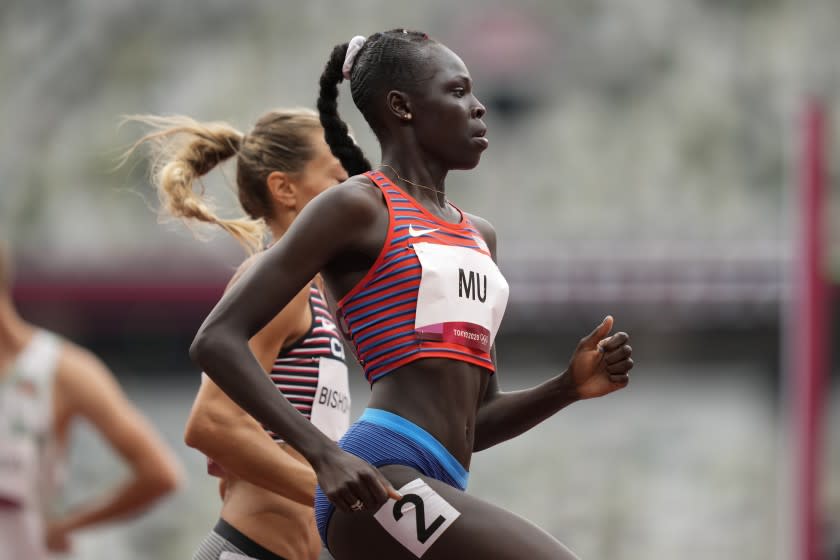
433	292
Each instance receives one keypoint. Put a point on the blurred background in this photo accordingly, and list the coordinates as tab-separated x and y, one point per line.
646	160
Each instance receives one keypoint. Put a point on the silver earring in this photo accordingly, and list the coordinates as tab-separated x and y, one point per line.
407	116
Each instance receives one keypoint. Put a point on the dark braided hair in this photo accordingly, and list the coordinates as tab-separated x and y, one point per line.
389	60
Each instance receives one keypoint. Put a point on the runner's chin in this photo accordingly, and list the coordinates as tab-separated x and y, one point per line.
470	159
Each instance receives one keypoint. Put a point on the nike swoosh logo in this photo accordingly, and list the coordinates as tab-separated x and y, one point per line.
418	232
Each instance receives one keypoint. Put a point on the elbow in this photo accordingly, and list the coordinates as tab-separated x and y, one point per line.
161	478
197	432
479	446
192	435
200	346
208	428
213	347
170	479
166	481
205	346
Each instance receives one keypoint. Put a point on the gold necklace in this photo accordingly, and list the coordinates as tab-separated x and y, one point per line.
381	165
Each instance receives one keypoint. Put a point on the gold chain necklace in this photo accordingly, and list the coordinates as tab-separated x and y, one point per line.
381	165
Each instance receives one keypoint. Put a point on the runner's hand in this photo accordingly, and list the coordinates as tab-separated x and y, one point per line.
347	480
601	364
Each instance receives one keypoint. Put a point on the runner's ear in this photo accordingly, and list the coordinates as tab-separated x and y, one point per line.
282	189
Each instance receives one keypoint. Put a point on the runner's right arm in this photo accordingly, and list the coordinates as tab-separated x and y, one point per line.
337	222
84	387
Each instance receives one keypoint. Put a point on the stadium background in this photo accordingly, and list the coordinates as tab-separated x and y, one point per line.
651	148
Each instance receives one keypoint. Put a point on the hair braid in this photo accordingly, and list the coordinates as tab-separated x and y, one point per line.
394	59
336	133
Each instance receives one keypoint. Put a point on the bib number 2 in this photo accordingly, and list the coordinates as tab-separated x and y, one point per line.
419	518
423	532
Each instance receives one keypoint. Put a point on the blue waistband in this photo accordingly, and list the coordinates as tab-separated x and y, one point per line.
414	432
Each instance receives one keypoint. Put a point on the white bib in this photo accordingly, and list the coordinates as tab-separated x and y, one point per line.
462	296
419	518
331	408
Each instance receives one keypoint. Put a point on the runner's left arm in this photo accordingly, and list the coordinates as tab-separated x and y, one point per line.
599	366
231	437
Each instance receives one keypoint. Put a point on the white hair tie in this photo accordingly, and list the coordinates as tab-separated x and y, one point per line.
353	48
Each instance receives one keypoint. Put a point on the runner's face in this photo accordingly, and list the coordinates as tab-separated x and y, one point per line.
320	173
446	114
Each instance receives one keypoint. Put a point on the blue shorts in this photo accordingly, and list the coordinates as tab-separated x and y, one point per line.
384	438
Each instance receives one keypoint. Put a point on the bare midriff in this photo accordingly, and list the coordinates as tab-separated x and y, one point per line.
440	395
283	526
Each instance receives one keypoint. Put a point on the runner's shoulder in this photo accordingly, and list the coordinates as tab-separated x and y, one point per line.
357	199
486	229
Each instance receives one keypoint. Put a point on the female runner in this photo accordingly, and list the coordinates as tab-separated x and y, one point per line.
267	487
421	298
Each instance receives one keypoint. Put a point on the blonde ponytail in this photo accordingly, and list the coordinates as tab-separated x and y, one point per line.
182	151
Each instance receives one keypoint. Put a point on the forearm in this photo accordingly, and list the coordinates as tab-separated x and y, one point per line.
510	414
229	362
130	498
247	452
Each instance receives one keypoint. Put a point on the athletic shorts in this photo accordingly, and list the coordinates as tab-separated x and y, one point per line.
384	438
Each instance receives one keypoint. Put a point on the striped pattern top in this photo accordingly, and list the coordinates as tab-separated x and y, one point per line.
295	370
378	314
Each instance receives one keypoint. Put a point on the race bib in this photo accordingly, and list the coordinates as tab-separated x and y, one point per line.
331	408
462	296
419	518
